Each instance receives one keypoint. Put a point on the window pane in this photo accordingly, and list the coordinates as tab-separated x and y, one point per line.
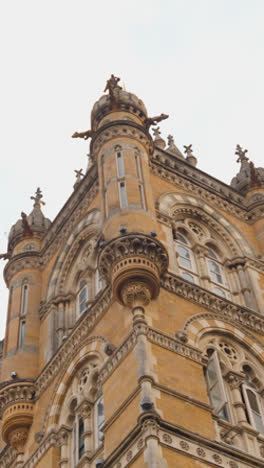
123	197
215	272
138	167
253	401
120	165
24	299
181	239
188	277
183	252
211	254
81	441
22	334
220	292
185	263
83	296
211	373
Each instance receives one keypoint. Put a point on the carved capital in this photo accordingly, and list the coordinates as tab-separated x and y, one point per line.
234	379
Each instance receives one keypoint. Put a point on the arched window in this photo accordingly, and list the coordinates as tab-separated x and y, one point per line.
254	407
216	388
82	297
235	392
185	257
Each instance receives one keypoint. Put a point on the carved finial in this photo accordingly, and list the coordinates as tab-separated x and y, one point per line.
79	175
156	132
188	150
37	198
241	154
112	83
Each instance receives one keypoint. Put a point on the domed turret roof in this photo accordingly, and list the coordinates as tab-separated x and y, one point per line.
33	225
117	99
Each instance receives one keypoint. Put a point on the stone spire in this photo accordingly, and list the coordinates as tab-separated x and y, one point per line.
172	148
158	140
190	158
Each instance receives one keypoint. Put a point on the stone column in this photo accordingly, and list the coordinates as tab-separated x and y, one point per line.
200	255
85	411
64	447
235	380
60	322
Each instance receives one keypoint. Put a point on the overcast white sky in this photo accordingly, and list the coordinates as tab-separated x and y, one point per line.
200	61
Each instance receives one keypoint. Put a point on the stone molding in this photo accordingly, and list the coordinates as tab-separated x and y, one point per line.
68	348
228	310
116	129
182	441
197	447
154	336
44	307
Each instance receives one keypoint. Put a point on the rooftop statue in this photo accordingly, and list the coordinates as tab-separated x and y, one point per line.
112	84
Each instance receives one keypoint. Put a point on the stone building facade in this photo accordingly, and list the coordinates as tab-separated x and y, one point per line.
135	326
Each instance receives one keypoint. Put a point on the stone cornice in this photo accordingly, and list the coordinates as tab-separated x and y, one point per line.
67	349
197	182
121	129
208	188
181	440
176	438
226	309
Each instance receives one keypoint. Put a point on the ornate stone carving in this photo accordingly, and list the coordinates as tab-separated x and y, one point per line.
18	438
136	294
230	311
134	259
16	393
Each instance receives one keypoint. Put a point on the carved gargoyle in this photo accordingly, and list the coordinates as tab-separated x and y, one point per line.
5	256
84	135
154	120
